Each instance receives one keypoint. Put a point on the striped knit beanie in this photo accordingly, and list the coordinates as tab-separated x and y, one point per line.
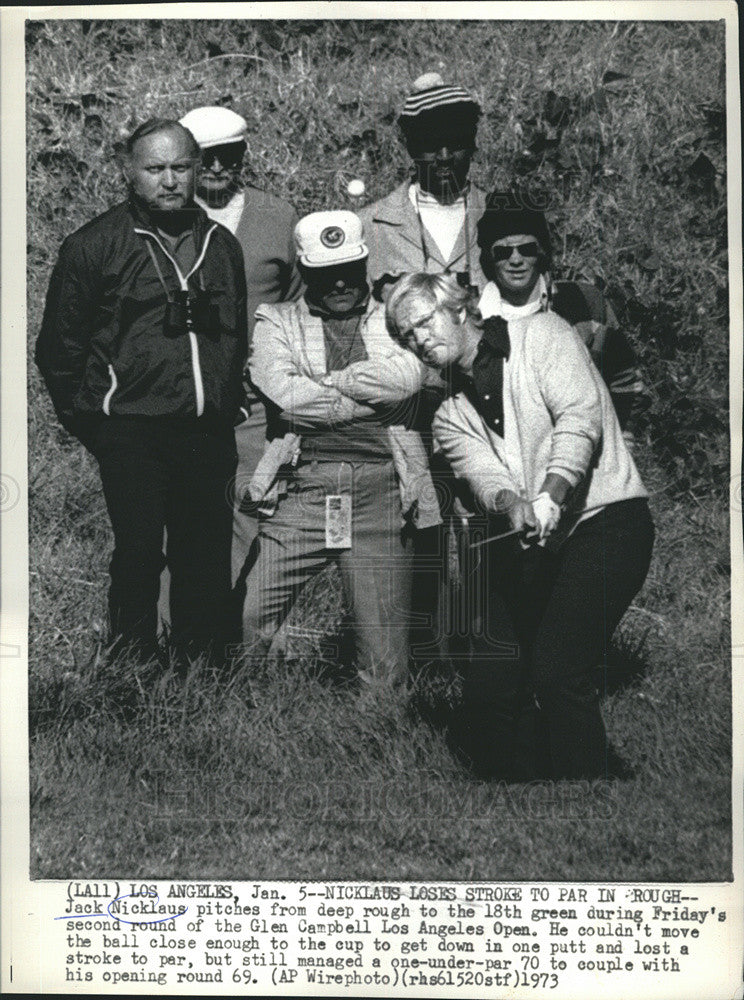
434	105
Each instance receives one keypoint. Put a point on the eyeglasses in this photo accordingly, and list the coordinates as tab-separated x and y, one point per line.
531	249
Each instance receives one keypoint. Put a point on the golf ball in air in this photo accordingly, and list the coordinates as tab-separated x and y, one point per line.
356	188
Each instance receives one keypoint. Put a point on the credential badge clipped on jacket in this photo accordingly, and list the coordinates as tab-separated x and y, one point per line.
338	521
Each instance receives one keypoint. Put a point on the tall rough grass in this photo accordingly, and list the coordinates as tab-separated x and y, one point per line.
623	124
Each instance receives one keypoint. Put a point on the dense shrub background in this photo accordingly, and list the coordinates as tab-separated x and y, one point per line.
623	124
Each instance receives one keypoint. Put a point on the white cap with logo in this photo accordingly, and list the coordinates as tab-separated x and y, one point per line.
215	126
327	238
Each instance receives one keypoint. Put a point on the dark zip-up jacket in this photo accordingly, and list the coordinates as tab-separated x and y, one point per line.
103	348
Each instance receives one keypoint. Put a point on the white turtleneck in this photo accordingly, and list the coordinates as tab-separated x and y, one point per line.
229	215
492	304
443	222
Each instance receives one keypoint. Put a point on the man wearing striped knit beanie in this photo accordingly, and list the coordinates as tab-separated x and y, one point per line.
429	223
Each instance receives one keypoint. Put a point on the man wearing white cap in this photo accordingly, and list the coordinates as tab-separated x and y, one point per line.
429	223
339	480
264	226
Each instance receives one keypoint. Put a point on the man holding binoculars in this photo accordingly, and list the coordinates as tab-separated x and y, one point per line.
142	348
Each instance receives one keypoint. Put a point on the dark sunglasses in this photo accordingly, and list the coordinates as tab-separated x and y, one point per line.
531	249
229	155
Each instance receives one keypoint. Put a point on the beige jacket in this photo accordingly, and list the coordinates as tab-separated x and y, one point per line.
393	234
287	365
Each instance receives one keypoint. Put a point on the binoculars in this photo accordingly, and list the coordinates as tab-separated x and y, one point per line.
186	311
463	280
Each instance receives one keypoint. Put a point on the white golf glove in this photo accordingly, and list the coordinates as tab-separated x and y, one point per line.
548	514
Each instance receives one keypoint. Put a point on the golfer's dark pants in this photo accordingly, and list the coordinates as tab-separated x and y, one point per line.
443	590
549	622
163	472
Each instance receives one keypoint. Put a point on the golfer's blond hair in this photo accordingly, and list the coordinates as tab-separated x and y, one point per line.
442	291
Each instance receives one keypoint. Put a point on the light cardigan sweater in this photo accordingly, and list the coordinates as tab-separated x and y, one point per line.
558	417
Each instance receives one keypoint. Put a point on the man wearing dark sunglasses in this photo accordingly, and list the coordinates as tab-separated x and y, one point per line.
516	257
264	227
515	262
